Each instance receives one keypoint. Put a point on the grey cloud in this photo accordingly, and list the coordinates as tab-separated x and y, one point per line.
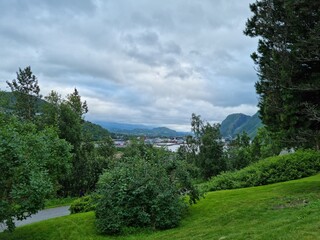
160	60
147	48
172	47
149	38
180	72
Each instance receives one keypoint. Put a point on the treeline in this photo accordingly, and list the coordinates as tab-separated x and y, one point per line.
46	149
208	155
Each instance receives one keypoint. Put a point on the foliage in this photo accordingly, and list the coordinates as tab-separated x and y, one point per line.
204	148
96	157
6	102
210	158
265	144
77	106
239	152
97	132
70	126
287	210
185	154
58	202
143	190
55	155
88	165
288	61
270	170
89	157
31	164
83	204
51	111
26	91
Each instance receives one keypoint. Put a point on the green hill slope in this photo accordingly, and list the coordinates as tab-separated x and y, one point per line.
251	126
7	102
288	210
237	123
154	132
231	123
96	131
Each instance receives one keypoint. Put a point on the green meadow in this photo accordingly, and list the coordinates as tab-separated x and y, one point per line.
288	210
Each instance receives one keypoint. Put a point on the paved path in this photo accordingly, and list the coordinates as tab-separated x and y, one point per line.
42	215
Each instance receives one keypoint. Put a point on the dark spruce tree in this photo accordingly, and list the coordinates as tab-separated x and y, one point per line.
288	61
26	91
70	124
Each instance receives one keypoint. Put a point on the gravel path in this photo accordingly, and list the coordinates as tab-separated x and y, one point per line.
42	215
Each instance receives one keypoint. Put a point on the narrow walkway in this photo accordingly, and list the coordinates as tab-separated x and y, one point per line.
42	215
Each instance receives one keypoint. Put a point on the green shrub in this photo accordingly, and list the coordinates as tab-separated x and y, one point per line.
270	170
83	204
143	193
58	202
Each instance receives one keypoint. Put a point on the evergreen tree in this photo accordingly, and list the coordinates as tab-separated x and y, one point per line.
26	91
70	128
288	62
265	144
77	106
51	111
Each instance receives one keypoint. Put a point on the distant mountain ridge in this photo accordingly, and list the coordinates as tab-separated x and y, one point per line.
233	124
238	122
140	130
114	127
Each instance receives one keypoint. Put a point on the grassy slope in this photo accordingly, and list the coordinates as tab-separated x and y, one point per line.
287	210
59	202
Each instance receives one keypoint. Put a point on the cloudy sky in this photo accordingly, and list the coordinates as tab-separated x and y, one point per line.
135	61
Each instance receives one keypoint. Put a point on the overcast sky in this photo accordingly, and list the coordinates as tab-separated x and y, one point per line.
135	61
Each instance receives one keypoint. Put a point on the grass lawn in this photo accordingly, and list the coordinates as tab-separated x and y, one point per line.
59	202
287	210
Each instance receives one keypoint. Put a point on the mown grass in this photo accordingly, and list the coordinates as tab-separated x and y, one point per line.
288	210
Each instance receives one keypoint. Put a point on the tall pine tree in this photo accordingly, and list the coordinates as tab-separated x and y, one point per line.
27	92
288	61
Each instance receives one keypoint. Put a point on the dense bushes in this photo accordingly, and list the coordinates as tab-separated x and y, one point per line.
270	170
141	191
31	164
83	204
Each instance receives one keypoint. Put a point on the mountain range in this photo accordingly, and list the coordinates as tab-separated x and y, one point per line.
233	124
140	130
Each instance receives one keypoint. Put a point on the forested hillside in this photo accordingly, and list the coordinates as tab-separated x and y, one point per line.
238	123
154	132
95	131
